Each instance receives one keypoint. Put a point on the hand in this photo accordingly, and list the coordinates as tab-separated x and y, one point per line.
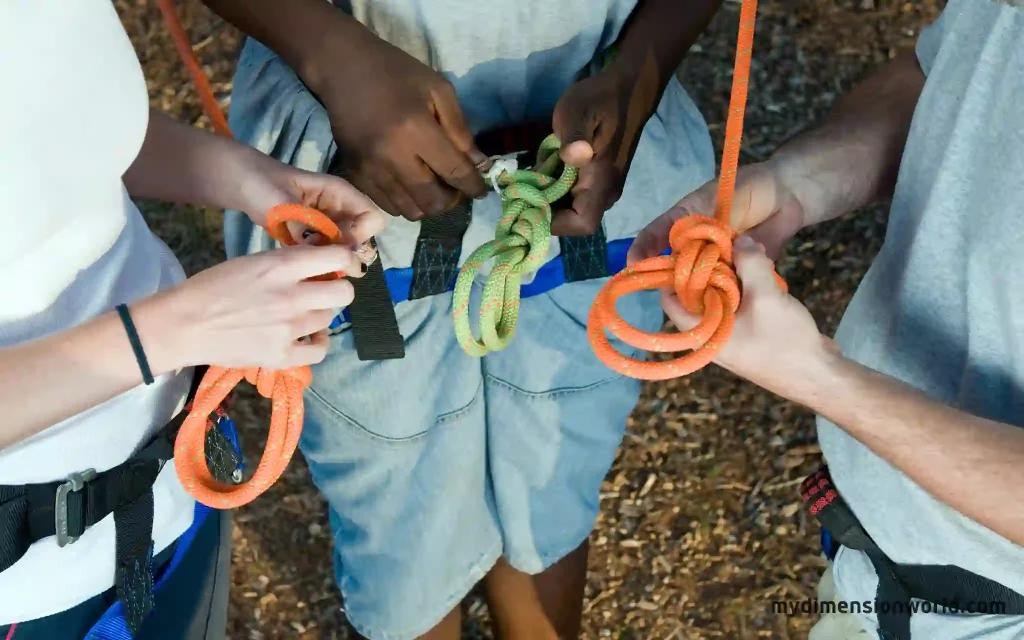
253	311
763	206
399	129
599	123
775	342
268	183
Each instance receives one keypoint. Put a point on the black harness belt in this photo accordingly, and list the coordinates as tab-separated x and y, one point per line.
945	586
66	509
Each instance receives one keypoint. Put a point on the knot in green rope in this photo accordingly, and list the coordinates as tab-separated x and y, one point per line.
521	243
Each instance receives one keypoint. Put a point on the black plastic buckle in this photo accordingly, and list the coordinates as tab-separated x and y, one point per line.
75	483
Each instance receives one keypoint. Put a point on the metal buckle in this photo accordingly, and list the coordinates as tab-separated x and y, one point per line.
218	421
76	482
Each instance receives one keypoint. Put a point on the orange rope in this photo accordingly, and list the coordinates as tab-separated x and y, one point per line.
699	267
284	387
181	42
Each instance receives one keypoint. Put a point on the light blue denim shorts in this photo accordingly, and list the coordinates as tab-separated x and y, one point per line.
436	465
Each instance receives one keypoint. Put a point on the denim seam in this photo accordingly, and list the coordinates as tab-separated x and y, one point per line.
439	421
552	393
481	566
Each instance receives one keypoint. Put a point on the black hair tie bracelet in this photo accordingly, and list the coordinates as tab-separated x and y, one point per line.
133	338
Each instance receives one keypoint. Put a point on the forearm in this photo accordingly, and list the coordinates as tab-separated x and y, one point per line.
302	32
51	379
180	163
972	464
655	40
852	158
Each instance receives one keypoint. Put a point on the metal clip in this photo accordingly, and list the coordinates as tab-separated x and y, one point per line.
76	482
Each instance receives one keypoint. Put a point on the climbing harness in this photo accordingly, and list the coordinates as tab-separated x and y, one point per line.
946	586
699	267
67	509
520	245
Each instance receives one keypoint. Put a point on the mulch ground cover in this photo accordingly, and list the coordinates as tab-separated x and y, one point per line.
701	526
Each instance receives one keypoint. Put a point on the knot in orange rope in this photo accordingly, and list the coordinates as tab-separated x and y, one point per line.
700	272
699	269
284	388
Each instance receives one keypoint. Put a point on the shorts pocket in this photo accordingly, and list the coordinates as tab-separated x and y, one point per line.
550	353
397	400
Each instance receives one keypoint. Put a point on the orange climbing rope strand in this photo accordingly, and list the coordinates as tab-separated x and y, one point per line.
181	42
699	267
284	387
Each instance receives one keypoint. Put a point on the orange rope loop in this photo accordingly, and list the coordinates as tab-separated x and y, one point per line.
699	268
284	388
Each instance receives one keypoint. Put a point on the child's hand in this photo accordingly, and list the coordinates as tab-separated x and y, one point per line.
599	125
399	127
271	183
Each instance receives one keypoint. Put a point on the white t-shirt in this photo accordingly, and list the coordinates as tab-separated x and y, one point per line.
73	117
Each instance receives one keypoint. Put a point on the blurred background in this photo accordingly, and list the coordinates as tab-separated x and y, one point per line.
701	526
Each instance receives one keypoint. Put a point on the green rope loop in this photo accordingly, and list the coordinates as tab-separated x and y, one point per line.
521	243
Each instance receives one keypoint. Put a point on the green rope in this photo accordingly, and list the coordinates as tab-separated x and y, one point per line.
520	244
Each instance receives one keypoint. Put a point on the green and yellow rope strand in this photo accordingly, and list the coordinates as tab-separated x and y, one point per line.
521	243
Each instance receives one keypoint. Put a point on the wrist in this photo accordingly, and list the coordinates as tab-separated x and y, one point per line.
796	179
318	66
163	336
816	376
638	78
262	183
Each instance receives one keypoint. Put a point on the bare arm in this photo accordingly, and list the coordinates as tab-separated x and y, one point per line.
49	380
655	40
245	312
852	158
303	32
180	163
972	464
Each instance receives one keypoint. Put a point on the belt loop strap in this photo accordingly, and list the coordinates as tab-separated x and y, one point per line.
374	325
585	257
435	262
133	578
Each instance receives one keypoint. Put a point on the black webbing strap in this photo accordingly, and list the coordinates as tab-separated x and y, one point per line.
947	586
585	257
374	325
66	509
435	261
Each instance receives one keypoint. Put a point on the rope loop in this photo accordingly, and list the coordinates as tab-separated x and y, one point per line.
521	243
700	271
699	268
284	389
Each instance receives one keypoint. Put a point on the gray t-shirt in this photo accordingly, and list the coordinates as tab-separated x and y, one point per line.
942	307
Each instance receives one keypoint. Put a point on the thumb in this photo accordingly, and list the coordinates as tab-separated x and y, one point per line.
574	126
755	270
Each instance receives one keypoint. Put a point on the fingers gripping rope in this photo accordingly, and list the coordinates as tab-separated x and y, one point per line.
520	244
284	387
699	268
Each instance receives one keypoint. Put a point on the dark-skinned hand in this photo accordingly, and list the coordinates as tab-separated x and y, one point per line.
599	121
400	132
